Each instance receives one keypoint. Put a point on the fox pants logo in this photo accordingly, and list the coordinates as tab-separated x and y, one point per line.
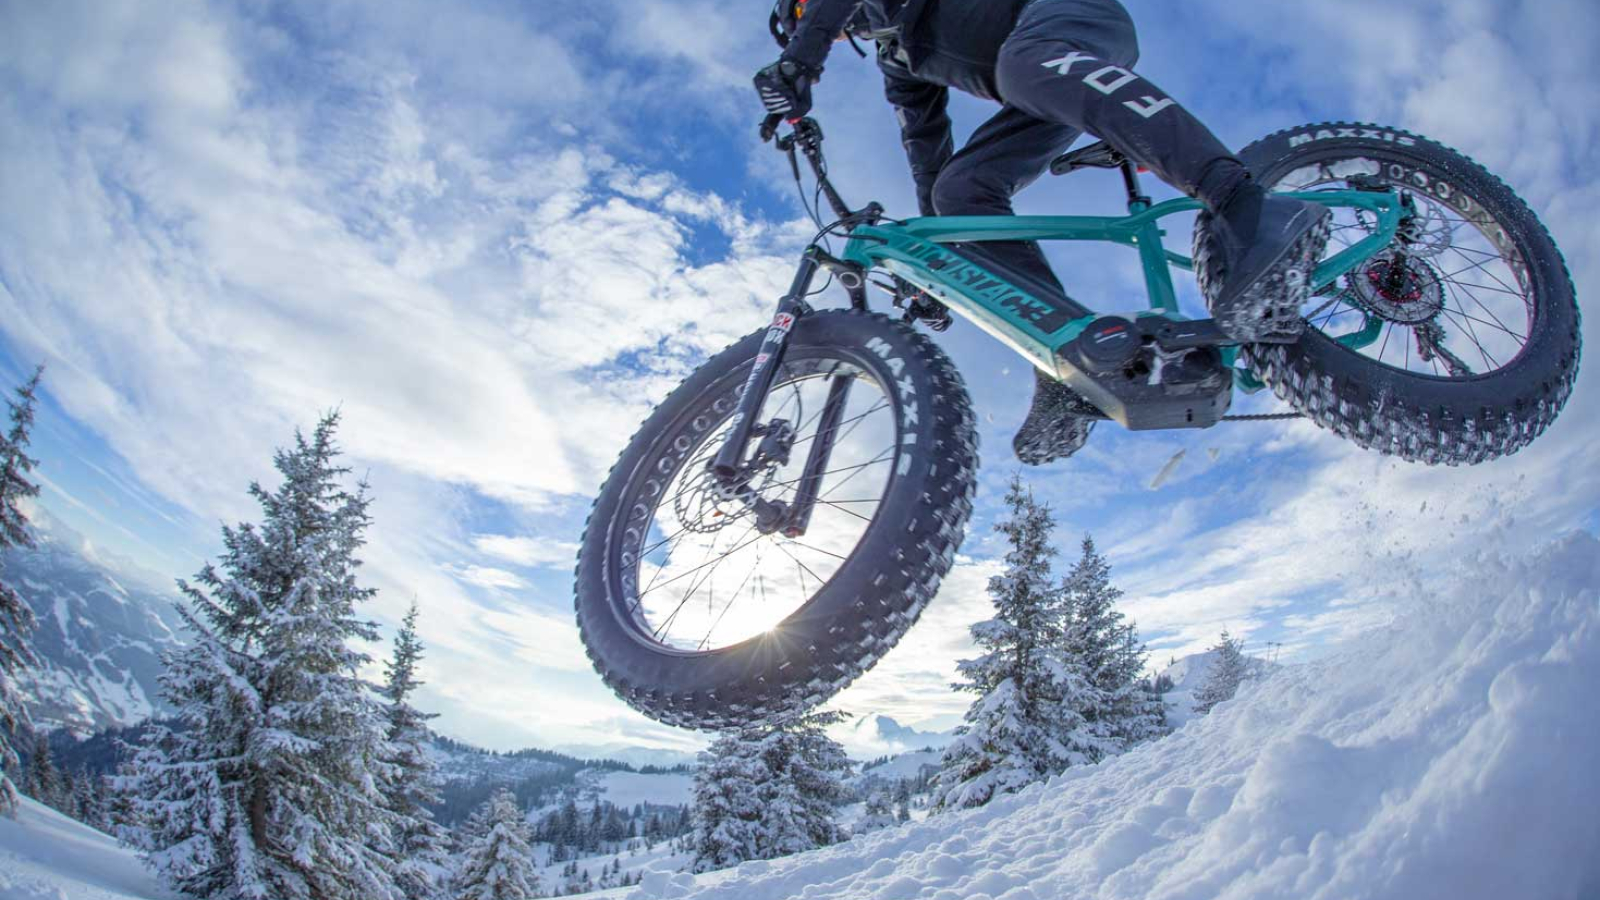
1109	80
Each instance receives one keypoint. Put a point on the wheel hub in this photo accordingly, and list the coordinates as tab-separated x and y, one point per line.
707	503
1405	290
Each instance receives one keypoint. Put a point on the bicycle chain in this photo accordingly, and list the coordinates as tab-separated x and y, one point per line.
1263	417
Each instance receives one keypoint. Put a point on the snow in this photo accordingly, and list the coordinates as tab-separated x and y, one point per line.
1189	674
1451	754
47	856
904	765
628	789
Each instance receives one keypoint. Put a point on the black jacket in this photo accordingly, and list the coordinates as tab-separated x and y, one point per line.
925	47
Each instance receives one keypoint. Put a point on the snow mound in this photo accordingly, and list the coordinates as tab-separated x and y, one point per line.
47	856
1452	754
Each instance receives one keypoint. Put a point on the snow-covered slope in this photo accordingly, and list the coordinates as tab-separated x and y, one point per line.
47	856
1189	674
1451	755
628	789
101	629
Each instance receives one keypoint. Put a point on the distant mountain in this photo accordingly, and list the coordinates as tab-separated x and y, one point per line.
102	625
873	735
633	756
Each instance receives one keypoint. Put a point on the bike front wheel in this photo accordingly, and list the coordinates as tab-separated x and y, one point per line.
698	616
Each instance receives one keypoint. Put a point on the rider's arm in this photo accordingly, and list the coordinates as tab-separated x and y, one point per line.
924	128
823	21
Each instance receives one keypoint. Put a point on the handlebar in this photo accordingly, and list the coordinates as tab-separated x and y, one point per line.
806	136
769	126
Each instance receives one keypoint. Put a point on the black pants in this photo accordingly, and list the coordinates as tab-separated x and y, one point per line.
1066	70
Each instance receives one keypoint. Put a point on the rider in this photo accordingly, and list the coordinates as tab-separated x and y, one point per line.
1058	68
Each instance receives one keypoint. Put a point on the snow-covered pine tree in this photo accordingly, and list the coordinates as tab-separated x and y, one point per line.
768	792
123	819
499	864
1024	726
726	809
16	617
1227	671
410	783
805	783
86	797
67	798
1119	708
272	788
43	780
877	813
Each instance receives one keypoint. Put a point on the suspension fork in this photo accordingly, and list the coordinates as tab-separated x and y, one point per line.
729	466
805	499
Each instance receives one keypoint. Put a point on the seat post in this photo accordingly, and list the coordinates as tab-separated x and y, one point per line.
1130	178
1137	201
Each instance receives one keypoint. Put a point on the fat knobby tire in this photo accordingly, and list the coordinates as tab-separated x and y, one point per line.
1419	417
874	596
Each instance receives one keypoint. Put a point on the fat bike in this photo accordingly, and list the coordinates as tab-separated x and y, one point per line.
783	516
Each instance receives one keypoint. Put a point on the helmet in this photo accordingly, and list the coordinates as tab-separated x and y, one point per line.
785	20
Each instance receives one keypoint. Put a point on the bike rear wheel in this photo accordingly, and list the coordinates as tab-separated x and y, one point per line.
1459	343
697	616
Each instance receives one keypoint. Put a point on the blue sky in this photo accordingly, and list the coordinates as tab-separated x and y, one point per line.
493	234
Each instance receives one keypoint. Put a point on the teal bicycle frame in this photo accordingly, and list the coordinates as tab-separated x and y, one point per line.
1038	329
910	249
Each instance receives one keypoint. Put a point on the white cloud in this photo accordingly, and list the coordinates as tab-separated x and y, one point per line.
526	551
488	577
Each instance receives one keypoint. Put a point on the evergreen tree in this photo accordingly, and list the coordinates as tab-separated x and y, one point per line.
727	810
768	792
273	787
878	813
92	800
499	864
43	780
1227	671
806	771
902	802
1025	724
16	617
123	820
1118	708
411	784
67	796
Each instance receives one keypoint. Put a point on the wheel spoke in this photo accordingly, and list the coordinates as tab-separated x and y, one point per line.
802	566
842	509
732	598
885	456
794	543
1483	266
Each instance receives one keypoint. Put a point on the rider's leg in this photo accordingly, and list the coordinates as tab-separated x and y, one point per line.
1003	156
1070	61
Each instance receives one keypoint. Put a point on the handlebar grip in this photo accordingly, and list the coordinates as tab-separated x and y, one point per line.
769	126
